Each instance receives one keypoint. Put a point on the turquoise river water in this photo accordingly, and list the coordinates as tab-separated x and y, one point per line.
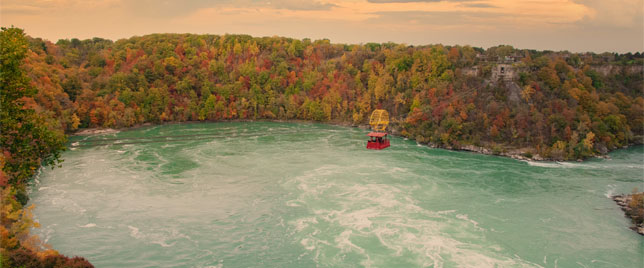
310	195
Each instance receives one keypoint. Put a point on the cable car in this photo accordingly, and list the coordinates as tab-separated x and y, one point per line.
378	139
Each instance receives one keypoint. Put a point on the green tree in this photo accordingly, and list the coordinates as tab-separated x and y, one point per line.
25	139
72	86
26	142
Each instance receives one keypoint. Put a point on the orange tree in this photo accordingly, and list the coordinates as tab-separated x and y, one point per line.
27	140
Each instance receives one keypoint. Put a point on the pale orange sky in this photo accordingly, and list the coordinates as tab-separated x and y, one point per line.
574	25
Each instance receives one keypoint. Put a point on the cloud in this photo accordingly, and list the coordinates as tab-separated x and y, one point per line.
52	7
261	15
300	5
520	13
411	15
400	1
152	8
541	24
479	5
21	9
464	19
415	1
615	13
353	19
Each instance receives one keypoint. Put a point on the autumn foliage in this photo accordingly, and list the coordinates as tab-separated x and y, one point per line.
557	105
28	139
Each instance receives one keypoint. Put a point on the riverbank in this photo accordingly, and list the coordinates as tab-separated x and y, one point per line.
522	154
633	207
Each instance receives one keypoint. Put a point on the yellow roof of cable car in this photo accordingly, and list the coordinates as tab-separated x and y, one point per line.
379	120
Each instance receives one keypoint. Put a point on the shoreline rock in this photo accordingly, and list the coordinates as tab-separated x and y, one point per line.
624	202
95	131
522	154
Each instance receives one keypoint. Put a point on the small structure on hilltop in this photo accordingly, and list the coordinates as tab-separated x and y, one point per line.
378	139
504	72
471	71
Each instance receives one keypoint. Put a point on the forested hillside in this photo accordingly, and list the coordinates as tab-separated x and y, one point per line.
541	104
28	139
557	105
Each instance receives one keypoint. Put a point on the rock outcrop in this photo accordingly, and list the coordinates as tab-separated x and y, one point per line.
632	209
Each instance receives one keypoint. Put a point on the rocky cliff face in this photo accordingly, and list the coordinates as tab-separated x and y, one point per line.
633	209
505	72
612	69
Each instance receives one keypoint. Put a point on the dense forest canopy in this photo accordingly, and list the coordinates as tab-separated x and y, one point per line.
558	105
28	139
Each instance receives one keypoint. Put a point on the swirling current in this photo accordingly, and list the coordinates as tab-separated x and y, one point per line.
268	194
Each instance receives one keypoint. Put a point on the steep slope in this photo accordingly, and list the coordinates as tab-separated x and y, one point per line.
556	105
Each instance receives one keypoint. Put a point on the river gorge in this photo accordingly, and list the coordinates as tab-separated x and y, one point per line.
305	195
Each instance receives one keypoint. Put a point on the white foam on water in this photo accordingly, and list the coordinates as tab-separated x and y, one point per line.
387	213
359	219
134	232
600	261
49	231
543	164
152	238
302	223
367	262
443	212
610	190
557	164
343	242
572	165
67	204
397	170
308	244
473	222
360	209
